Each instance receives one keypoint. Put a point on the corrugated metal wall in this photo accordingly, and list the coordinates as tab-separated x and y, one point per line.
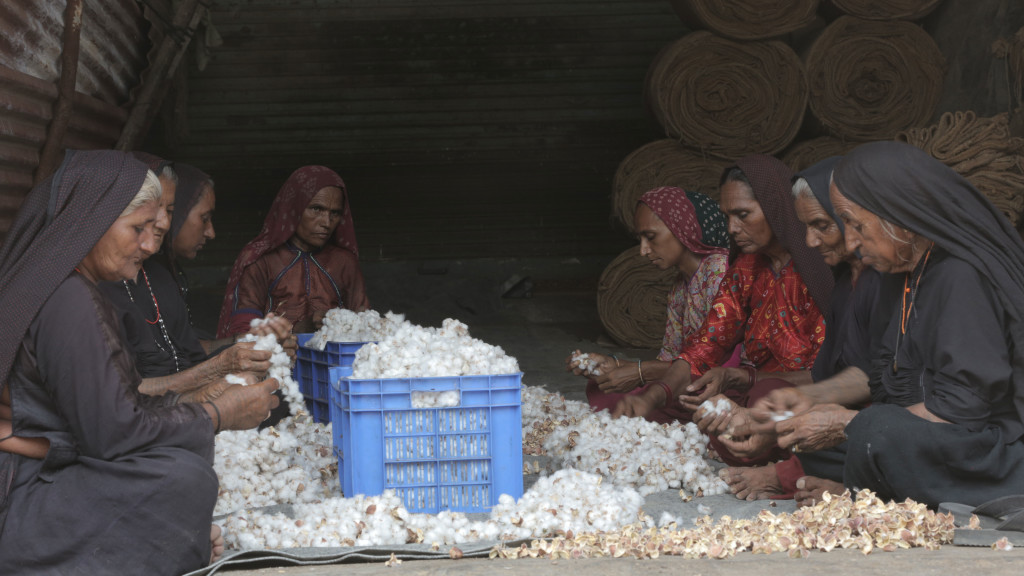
462	128
113	52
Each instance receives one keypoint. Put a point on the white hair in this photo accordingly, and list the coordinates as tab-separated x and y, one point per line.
151	191
169	173
801	189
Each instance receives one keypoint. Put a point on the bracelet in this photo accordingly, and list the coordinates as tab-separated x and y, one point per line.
640	371
668	392
614	357
751	375
217	411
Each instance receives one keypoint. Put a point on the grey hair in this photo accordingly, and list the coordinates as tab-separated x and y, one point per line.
801	189
151	191
169	173
890	230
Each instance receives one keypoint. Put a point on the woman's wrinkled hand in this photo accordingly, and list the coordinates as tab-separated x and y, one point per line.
823	426
243	357
714	382
712	423
619	380
245	407
215	389
635	406
784	401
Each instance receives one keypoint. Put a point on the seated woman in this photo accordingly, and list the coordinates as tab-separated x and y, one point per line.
677	230
840	371
167	350
304	262
770	301
947	382
118	464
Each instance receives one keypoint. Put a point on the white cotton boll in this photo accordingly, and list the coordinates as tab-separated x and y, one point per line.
235	379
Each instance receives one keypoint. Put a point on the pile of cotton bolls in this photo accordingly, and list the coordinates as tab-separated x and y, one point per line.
568	501
280	367
341	325
289	464
417	352
632	452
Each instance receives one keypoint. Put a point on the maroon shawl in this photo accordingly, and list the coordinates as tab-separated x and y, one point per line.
282	221
674	208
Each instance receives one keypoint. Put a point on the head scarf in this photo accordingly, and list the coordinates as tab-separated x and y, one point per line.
674	207
155	163
714	227
771	182
904	185
60	221
191	183
818	178
282	221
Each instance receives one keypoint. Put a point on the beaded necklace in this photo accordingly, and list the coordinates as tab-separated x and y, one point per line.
171	349
904	309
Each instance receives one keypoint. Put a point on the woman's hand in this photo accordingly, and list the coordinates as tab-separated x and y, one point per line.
619	380
920	411
215	389
778	404
604	363
714	382
635	405
714	422
281	328
27	447
740	441
242	357
816	429
245	407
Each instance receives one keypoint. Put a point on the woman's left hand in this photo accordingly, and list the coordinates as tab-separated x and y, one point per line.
281	328
715	424
619	381
714	382
820	427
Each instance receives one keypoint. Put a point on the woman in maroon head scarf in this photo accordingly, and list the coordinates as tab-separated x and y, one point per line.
304	262
677	230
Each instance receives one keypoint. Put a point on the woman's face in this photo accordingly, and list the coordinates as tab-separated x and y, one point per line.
319	219
822	231
198	226
120	252
166	210
657	242
864	232
748	227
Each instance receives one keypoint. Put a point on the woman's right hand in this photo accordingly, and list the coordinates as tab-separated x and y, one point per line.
619	380
245	407
633	405
784	401
242	357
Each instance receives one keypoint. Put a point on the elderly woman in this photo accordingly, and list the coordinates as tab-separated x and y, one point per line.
678	230
304	262
840	371
167	350
118	464
947	384
771	301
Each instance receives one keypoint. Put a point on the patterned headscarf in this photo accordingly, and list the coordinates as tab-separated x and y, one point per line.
904	185
818	178
60	221
702	234
771	182
281	223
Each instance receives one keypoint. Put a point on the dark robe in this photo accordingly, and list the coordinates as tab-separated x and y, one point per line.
128	484
954	357
848	325
145	337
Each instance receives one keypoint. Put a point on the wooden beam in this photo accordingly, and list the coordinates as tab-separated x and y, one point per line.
154	84
51	154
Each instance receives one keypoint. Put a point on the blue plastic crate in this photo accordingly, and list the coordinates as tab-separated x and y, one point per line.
311	372
455	458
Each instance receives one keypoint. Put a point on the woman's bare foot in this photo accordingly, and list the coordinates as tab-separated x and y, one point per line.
810	488
753	482
216	543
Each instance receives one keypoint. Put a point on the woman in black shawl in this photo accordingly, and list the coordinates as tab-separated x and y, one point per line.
947	378
127	483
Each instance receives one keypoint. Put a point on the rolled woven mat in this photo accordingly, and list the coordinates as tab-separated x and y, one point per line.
727	98
1012	50
746	19
887	9
981	150
809	152
869	80
632	296
662	163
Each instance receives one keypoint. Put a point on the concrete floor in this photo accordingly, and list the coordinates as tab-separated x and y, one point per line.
541	331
